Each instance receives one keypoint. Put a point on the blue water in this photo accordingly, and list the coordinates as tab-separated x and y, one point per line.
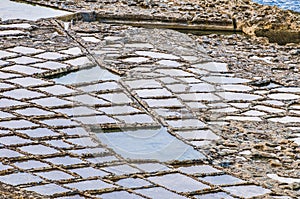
284	4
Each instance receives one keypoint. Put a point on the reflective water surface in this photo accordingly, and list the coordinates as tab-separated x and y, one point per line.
16	10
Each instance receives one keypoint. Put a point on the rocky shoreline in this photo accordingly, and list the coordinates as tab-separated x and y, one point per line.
241	15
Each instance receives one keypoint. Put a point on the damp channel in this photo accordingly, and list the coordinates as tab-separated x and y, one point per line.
21	10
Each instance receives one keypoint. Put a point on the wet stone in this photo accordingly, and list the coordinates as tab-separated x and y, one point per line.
133	183
16	25
33	112
50	65
240	105
119	194
5	86
96	120
178	88
243	118
4	115
136	118
238	96
31	164
222	180
78	111
168	80
116	110
81	61
87	172
22	94
283	179
59	144
224	80
25	60
224	110
254	113
152	167
59	122
39	132
13	140
169	63
89	185
47	189
212	66
5	54
269	109
89	151
24	69
169	102
199	170
156	55
116	98
72	51
111	86
54	175
158	193
71	197
138	45
175	112
190	58
39	150
87	100
50	55
102	160
198	134
286	119
247	191
121	170
222	195
149	83
4	167
135	59
75	131
51	102
7	153
174	72
147	93
199	97
17	124
86	75
3	63
288	89
283	96
19	178
57	90
235	87
196	105
186	123
199	144
202	87
83	141
178	182
91	39
25	50
28	81
65	160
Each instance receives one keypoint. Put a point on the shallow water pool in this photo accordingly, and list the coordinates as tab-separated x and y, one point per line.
16	10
